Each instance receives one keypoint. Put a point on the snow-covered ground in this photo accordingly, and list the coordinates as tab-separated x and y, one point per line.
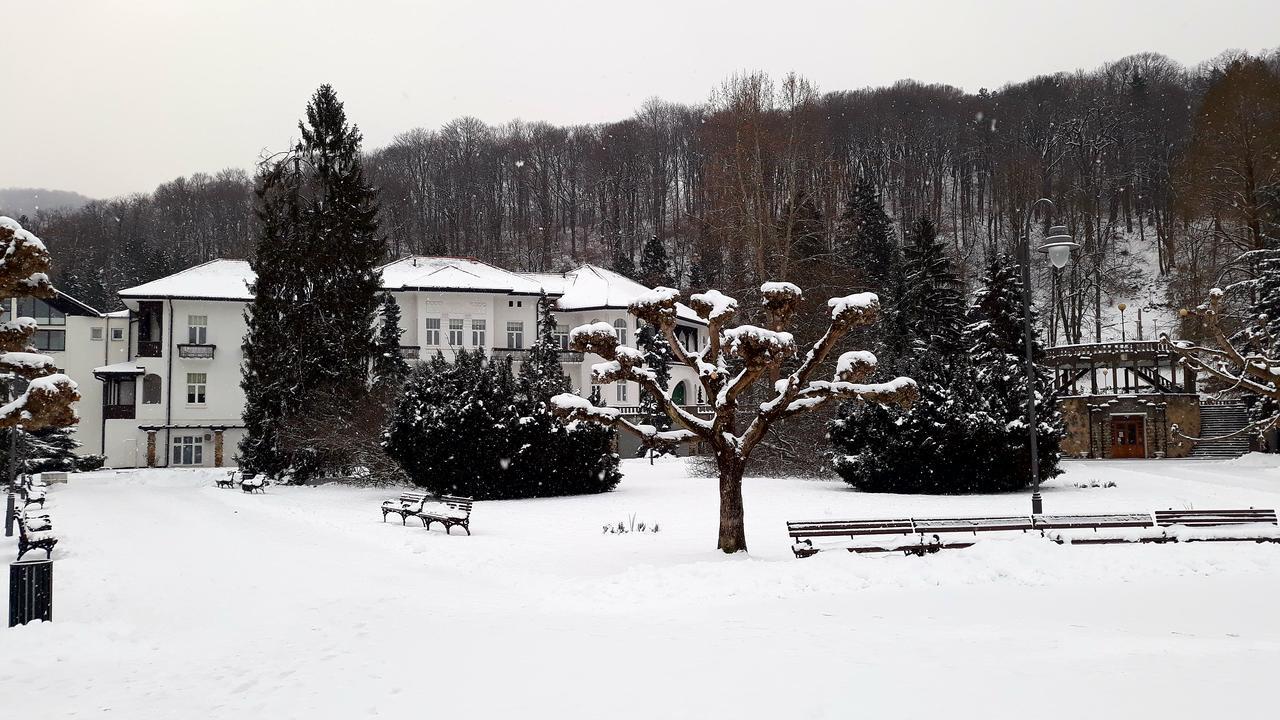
178	600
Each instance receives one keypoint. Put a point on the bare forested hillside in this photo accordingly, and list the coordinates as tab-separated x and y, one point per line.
1169	176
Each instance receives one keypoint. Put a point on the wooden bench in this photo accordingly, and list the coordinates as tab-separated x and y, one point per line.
407	504
451	511
29	538
920	536
448	510
1253	524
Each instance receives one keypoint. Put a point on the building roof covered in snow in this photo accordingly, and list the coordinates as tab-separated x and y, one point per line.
451	274
591	287
214	280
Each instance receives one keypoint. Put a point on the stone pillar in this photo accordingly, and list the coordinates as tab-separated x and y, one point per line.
217	448
151	448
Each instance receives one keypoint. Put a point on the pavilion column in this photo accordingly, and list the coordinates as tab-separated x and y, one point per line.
151	448
217	448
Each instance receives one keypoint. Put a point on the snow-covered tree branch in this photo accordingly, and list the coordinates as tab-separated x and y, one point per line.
733	360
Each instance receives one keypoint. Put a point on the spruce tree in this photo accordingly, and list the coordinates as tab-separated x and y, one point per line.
865	240
933	303
655	266
657	357
310	325
389	367
995	341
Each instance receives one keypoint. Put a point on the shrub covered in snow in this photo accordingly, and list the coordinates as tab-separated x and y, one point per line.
473	427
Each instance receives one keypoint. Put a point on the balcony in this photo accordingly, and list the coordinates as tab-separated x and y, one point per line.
149	348
118	412
192	351
518	354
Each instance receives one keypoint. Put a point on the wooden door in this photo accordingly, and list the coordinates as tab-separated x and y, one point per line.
1128	436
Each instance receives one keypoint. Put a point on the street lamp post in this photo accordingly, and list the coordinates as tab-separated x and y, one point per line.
1058	246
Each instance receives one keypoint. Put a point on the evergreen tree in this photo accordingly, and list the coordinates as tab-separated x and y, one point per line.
310	324
933	303
471	428
995	338
49	450
389	367
865	240
655	266
623	264
657	357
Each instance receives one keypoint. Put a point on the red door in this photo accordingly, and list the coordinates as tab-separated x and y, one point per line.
1128	436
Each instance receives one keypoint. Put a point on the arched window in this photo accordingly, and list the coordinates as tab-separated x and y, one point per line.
620	329
151	389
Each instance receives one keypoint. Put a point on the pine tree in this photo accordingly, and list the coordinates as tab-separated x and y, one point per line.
995	338
310	325
925	449
622	262
389	367
933	303
865	240
49	450
658	358
655	266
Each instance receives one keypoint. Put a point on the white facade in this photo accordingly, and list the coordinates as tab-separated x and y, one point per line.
78	338
172	393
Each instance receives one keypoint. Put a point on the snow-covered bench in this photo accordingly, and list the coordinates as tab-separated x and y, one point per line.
407	504
918	536
249	482
451	511
31	538
1187	526
448	510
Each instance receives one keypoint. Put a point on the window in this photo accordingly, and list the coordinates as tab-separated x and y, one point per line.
117	334
188	450
620	329
42	311
622	391
515	335
95	334
477	333
50	340
151	389
455	332
198	329
196	388
120	391
433	331
562	337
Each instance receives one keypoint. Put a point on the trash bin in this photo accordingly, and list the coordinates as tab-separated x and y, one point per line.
30	591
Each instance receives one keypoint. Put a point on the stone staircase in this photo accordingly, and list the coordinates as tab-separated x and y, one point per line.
1220	419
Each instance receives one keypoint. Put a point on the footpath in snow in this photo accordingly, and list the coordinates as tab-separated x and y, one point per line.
174	599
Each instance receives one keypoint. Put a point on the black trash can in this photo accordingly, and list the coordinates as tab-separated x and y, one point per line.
30	591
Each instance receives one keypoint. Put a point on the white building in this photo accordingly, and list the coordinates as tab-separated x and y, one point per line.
78	338
173	396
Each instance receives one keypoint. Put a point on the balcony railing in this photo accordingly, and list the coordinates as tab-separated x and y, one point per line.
119	412
409	352
150	348
518	354
195	352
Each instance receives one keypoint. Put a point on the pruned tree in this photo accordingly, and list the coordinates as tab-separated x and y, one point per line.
47	400
735	359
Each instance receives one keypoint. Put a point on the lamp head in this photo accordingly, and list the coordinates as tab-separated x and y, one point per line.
1058	245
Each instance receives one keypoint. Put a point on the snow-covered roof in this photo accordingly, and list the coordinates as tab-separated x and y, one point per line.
591	287
120	368
454	274
214	280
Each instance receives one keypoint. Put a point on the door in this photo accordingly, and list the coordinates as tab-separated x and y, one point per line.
1128	436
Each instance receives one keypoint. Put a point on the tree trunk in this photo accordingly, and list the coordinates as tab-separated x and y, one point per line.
733	535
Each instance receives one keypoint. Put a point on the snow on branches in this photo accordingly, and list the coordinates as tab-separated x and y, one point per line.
48	399
752	351
1255	369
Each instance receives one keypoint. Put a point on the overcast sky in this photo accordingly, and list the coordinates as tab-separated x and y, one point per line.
107	97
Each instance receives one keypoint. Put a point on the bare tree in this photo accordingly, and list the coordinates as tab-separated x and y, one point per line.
734	359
